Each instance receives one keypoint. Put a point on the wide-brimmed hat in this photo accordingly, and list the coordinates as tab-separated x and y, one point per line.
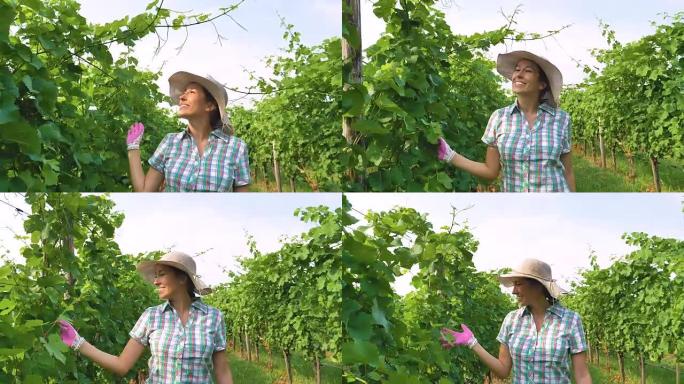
533	269
179	80
178	260
506	62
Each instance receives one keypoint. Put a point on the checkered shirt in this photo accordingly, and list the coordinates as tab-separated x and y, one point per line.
181	354
530	157
224	163
542	357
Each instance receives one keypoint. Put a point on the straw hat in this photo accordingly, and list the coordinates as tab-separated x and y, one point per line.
179	80
533	269
506	62
177	260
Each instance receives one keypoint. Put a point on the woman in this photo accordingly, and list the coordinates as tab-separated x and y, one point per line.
203	157
528	141
539	340
186	337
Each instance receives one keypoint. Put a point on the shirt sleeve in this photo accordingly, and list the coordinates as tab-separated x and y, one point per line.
490	132
502	337
220	334
578	341
141	330
241	176
157	160
566	145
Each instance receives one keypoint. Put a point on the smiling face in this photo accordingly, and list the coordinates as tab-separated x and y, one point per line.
168	282
527	291
194	102
527	78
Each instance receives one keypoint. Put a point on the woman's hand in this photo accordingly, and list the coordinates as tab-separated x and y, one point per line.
69	335
444	151
451	338
135	134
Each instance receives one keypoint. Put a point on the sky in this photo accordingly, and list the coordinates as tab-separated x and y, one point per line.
560	229
242	50
630	19
193	223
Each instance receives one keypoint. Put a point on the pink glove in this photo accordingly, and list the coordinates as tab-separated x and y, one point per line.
444	152
135	134
69	335
451	338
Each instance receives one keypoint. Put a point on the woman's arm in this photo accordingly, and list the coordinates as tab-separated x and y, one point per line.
221	368
140	181
489	170
118	364
566	159
501	367
580	368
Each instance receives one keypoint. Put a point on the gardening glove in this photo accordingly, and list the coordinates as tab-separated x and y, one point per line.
451	338
69	335
135	134
444	151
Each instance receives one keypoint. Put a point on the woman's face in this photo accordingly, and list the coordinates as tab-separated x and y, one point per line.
526	292
526	78
193	102
168	283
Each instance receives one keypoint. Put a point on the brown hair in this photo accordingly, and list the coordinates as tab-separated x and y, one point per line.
190	285
215	117
545	80
552	300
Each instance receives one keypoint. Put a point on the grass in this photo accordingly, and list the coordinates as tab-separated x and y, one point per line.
270	186
654	374
258	373
590	177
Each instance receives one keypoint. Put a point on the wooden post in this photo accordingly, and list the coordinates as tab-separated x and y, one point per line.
677	376
317	369
288	367
621	362
632	168
602	147
256	349
642	368
249	349
352	16
276	168
656	174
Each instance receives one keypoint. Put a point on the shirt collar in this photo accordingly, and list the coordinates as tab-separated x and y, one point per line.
218	133
555	309
544	107
197	304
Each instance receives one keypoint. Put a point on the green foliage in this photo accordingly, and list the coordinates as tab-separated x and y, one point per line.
290	299
392	339
66	103
300	114
636	103
420	82
636	305
71	269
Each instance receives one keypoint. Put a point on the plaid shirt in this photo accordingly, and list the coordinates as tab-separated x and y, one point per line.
181	354
224	163
542	357
530	157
